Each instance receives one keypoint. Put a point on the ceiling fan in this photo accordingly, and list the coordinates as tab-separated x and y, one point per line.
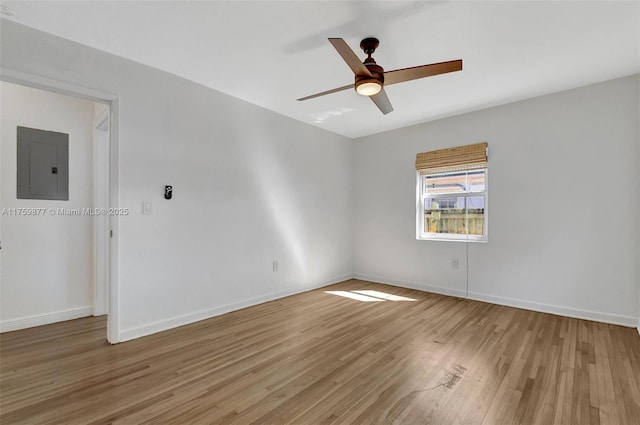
370	78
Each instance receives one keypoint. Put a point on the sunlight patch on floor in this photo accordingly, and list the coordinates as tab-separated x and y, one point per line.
369	296
354	296
384	295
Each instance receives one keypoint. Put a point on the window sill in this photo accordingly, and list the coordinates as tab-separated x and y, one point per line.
445	239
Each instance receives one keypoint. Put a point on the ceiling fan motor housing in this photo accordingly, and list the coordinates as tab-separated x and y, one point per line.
376	71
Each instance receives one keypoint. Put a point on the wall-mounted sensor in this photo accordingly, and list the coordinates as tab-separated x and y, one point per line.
168	192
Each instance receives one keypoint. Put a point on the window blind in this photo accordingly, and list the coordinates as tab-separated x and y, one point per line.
461	158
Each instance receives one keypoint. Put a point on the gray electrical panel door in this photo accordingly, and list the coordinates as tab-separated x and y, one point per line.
43	164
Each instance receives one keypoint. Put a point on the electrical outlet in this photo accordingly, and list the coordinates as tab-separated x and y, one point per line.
275	265
455	263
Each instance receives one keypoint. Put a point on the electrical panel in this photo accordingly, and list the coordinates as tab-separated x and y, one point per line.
43	164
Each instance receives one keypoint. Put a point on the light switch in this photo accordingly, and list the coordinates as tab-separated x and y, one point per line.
147	208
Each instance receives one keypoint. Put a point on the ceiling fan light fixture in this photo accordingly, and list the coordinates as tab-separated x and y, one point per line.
368	87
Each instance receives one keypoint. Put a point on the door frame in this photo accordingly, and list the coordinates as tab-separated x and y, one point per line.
112	101
100	225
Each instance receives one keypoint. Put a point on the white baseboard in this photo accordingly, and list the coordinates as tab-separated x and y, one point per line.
596	316
174	322
411	285
577	313
45	319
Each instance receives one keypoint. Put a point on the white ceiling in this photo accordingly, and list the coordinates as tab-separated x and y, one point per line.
272	52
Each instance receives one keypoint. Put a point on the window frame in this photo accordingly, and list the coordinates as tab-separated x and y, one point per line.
421	196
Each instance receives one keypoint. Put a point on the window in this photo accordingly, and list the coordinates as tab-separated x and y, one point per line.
452	194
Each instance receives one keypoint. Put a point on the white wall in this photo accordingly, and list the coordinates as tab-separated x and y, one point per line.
250	187
551	159
46	260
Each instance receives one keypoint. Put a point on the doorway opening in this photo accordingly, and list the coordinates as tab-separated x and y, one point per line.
59	258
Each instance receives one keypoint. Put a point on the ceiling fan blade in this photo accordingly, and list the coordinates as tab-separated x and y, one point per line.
350	57
415	72
350	86
382	102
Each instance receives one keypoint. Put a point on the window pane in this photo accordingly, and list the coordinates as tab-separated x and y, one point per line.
477	181
459	215
445	215
475	214
446	183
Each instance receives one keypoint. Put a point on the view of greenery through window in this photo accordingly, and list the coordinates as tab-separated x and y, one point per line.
454	203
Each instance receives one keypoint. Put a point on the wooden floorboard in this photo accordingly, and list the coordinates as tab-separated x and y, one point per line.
320	358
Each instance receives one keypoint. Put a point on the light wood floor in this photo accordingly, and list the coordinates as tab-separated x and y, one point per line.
318	358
